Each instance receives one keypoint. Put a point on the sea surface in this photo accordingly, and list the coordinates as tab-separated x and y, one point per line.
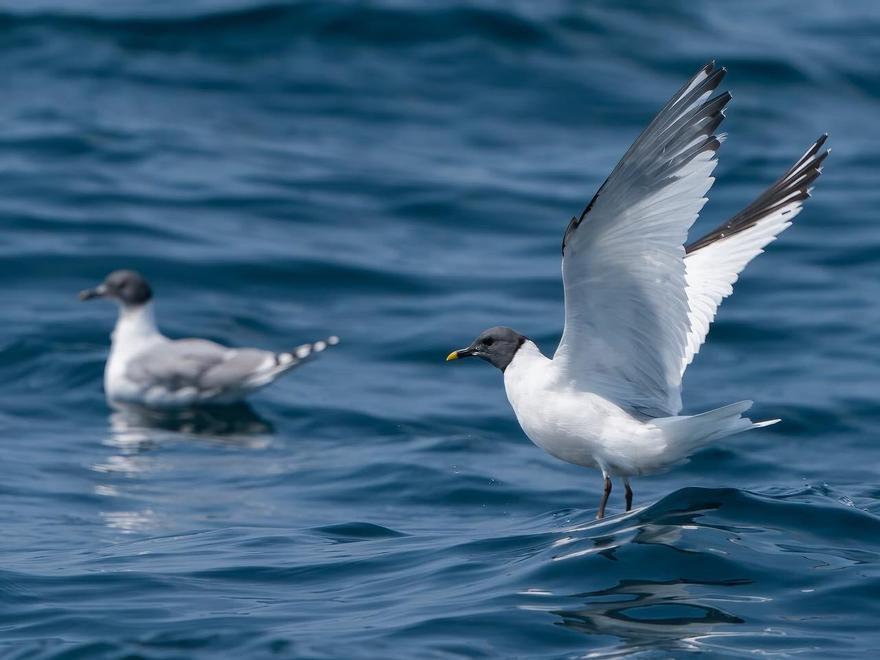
399	173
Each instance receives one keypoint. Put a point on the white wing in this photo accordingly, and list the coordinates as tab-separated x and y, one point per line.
626	310
714	262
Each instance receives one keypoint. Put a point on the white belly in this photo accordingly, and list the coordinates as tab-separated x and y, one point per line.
577	427
117	386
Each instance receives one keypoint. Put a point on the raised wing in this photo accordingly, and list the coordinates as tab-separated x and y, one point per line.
626	310
714	262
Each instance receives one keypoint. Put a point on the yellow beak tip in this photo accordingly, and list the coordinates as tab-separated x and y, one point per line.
452	356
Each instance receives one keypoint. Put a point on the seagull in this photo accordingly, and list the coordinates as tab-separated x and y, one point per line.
639	300
146	368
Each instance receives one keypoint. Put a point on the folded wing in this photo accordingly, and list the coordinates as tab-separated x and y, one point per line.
211	369
714	262
626	307
197	363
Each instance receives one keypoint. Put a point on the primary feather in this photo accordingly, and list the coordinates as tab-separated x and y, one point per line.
714	262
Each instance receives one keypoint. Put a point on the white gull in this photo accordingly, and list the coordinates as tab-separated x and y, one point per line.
639	301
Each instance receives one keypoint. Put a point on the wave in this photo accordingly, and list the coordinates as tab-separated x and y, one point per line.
380	24
700	569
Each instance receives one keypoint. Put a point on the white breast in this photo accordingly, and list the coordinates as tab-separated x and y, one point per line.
135	332
574	426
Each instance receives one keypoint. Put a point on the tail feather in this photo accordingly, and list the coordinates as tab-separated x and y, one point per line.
686	434
290	359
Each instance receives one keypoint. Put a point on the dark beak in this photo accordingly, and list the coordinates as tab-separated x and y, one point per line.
97	292
461	353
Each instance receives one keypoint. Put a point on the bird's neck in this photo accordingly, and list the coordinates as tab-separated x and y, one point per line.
136	323
527	377
526	359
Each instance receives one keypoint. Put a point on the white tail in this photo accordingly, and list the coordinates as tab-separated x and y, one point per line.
686	434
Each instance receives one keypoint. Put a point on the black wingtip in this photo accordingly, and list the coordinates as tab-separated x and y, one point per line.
703	121
794	186
709	69
717	76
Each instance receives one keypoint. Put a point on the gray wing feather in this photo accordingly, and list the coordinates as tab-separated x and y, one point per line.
241	366
197	363
626	306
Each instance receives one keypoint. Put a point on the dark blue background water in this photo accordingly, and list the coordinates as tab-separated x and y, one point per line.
399	173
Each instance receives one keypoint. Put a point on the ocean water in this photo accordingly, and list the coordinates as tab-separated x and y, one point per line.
400	173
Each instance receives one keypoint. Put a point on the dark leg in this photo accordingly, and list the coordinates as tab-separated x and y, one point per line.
629	494
601	513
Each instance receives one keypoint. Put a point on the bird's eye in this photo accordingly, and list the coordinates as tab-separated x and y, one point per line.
488	341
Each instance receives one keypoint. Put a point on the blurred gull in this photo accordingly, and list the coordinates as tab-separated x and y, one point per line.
147	368
639	302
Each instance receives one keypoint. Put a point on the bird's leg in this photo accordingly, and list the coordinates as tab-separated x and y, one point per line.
601	512
629	494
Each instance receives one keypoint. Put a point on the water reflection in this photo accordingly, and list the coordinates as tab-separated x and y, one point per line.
674	614
648	613
663	523
129	522
239	424
134	435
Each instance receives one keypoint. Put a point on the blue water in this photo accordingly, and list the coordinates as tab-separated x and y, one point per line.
400	173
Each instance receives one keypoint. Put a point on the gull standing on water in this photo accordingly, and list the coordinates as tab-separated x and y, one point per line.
147	368
639	302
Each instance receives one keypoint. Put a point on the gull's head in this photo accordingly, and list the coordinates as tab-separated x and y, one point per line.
497	346
126	287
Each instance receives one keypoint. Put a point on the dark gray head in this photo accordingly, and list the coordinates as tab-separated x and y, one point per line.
125	286
495	345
